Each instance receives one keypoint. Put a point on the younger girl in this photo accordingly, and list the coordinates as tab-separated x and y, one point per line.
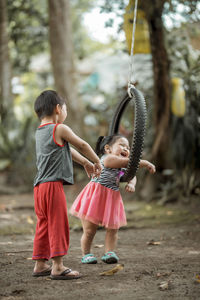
100	202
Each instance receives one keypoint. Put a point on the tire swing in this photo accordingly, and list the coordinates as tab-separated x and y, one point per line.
139	118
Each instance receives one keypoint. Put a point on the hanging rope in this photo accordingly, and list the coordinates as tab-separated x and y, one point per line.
130	84
139	116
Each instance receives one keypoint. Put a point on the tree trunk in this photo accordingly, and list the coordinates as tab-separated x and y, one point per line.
62	60
161	82
5	67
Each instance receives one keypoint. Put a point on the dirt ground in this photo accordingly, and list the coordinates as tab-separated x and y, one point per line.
160	251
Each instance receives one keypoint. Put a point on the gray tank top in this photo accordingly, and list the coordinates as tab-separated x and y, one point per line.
53	161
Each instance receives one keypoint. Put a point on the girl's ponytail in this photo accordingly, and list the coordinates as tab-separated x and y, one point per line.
99	148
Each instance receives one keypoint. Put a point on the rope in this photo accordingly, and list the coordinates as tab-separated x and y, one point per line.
130	85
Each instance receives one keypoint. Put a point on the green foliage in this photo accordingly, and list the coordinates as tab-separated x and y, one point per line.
28	27
17	141
83	45
16	148
188	9
185	63
28	31
185	131
110	6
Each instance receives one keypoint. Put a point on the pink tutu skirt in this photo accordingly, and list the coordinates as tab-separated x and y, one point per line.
100	205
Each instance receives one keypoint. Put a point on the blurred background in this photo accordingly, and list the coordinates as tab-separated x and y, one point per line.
81	48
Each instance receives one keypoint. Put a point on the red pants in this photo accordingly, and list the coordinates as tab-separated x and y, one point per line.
52	229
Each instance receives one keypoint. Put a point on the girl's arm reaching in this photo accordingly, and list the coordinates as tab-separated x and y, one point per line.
113	161
148	165
88	166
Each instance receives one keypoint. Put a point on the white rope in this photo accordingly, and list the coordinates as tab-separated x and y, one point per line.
130	85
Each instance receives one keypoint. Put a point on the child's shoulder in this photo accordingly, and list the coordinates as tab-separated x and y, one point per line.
103	157
63	127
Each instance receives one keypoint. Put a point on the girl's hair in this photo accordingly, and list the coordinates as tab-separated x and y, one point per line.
46	103
106	140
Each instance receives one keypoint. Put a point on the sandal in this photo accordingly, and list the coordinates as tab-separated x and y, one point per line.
46	272
65	275
89	259
110	258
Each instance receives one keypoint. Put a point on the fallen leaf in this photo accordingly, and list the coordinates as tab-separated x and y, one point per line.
110	272
29	220
164	285
197	278
152	242
98	246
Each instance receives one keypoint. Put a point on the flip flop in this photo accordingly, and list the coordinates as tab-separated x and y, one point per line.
89	259
46	272
65	275
110	258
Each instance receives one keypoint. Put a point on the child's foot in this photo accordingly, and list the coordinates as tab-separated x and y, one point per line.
110	258
67	274
45	272
89	259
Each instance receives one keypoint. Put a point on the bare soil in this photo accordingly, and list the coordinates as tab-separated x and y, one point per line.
160	251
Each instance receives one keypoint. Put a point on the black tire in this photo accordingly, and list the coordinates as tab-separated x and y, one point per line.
139	130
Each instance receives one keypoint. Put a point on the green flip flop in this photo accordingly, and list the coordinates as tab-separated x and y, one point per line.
110	258
89	259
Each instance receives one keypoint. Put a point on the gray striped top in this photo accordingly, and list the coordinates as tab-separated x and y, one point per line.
109	177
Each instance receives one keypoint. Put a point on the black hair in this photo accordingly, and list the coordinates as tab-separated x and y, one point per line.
106	140
46	103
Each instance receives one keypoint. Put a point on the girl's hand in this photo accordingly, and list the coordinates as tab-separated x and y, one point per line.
146	164
130	187
89	168
151	168
97	169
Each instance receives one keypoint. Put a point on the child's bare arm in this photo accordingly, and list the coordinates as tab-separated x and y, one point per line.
65	133
113	161
88	166
130	187
148	165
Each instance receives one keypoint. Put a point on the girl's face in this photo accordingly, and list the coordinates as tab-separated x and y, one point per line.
62	113
119	148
